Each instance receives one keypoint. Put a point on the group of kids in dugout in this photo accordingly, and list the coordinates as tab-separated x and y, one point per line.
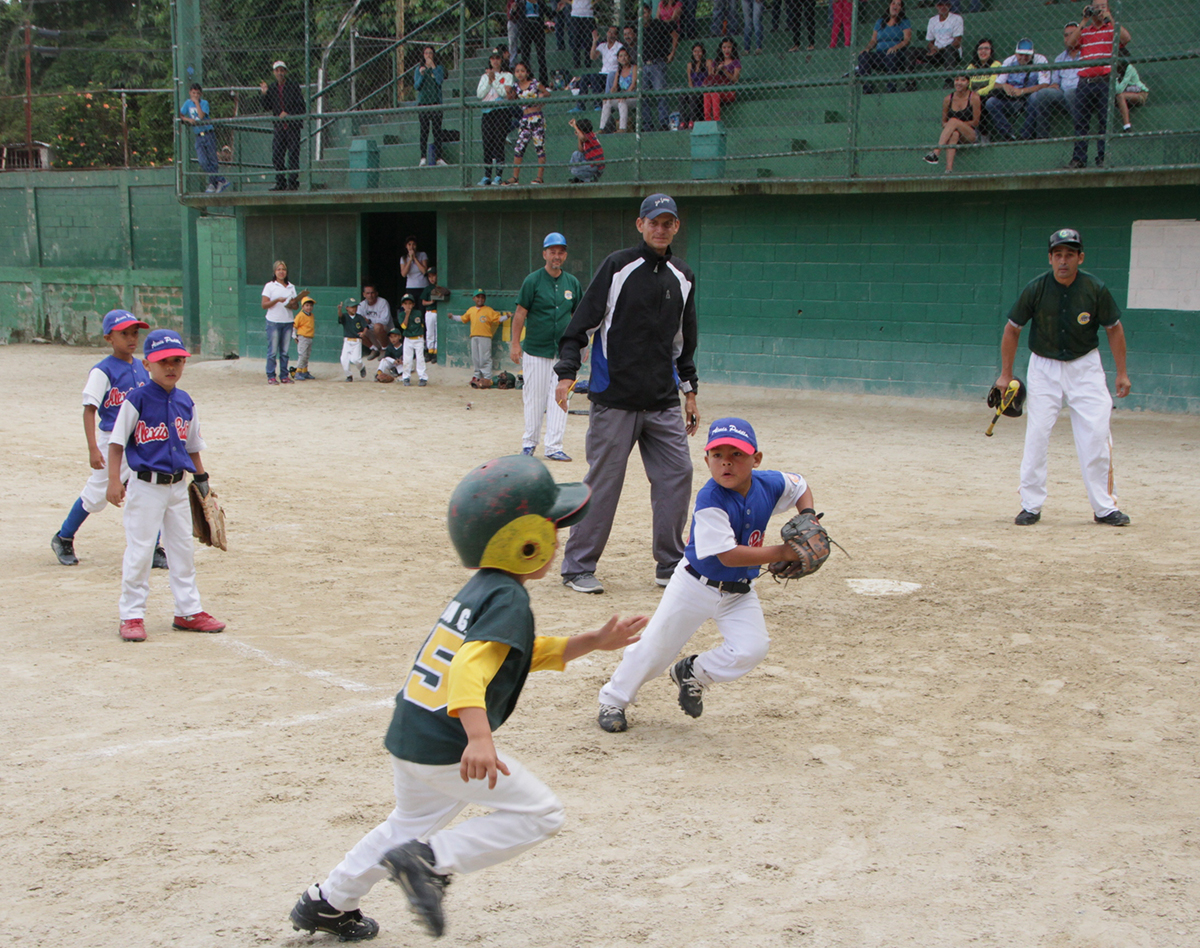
143	436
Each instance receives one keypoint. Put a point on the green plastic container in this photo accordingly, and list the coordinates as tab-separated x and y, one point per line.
364	164
708	150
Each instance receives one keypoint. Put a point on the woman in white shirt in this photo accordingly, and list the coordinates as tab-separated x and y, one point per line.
497	116
413	265
281	300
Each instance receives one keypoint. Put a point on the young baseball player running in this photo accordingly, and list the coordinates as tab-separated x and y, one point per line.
158	434
353	327
465	683
715	578
109	381
412	324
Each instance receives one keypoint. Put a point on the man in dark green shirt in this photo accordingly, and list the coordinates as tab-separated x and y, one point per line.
545	305
1065	308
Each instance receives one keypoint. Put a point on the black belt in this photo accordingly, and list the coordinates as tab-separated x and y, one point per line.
725	587
1094	79
154	477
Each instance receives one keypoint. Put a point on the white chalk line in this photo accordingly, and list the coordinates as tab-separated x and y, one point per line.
320	674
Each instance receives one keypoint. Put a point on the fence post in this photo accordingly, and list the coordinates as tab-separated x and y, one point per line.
853	92
1111	105
637	102
308	99
462	92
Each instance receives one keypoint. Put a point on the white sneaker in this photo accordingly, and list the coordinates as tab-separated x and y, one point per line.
583	582
422	163
441	164
211	189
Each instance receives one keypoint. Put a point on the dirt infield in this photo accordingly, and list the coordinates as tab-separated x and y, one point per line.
1003	753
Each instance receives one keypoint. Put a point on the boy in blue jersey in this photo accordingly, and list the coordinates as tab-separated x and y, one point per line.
714	580
110	380
158	434
465	682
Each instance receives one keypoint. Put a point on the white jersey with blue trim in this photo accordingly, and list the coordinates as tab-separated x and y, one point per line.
159	430
724	519
108	384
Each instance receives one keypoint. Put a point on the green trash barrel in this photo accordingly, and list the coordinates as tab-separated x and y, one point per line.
364	164
708	150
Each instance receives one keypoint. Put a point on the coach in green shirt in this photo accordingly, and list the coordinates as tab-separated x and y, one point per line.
545	304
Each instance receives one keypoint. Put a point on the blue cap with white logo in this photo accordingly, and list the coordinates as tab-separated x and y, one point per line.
117	319
164	344
732	431
554	239
656	205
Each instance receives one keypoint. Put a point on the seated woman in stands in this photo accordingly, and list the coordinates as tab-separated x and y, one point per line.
888	51
623	80
725	70
697	77
1130	91
960	120
984	85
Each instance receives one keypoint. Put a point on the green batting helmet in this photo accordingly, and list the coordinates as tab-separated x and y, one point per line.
504	514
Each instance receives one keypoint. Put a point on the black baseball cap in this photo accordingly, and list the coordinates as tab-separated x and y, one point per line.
1066	237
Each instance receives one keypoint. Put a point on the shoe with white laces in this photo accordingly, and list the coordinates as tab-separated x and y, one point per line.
612	719
200	622
558	456
691	691
411	867
583	582
313	914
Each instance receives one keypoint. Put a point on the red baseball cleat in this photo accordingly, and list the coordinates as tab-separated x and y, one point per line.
133	630
200	622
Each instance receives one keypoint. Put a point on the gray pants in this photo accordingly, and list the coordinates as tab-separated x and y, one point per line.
481	357
662	440
304	346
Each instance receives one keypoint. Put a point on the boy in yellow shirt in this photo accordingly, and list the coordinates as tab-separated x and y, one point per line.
484	321
305	327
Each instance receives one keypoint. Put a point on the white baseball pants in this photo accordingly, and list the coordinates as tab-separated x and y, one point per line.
414	349
524	813
95	491
150	508
351	354
1081	385
538	392
431	331
685	605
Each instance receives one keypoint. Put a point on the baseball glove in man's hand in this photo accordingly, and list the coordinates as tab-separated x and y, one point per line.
208	519
808	540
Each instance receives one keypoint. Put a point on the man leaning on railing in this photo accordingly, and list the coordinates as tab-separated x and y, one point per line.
282	99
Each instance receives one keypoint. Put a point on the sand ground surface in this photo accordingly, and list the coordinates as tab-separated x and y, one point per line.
1002	752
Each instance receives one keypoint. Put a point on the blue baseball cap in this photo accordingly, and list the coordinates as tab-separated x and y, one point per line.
164	344
656	205
118	319
732	431
554	239
1025	47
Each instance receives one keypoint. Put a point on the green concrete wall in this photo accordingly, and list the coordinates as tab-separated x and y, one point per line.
75	245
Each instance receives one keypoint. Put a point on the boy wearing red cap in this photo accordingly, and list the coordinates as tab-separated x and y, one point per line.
714	580
158	434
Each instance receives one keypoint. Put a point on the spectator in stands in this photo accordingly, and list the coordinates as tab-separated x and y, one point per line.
493	89
532	126
842	12
531	37
624	80
802	14
961	111
660	41
606	52
427	81
686	23
671	12
284	99
692	110
752	28
725	70
581	27
984	58
1013	90
629	38
515	11
1060	94
1096	34
725	18
1130	91
587	161
196	114
888	51
944	36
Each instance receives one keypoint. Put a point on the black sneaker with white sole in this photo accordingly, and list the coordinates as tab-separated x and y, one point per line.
64	549
691	691
612	719
411	868
313	914
1114	519
1026	518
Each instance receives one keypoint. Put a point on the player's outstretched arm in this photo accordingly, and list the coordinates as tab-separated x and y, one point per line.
614	634
479	760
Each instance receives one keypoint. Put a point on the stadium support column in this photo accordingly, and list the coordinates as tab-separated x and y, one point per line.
188	68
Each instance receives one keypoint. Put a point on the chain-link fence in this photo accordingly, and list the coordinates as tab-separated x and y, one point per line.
790	89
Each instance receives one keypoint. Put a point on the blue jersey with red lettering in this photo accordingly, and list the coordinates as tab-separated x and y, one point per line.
120	378
159	429
723	519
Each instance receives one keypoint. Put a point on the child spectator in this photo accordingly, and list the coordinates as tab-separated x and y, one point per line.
725	70
842	12
428	302
195	113
587	161
484	320
393	354
352	329
158	433
503	521
412	324
305	328
108	384
714	580
532	127
1130	91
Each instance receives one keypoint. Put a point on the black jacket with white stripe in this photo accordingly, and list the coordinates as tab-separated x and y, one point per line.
640	312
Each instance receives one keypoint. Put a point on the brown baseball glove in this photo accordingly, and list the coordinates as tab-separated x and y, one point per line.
805	535
208	519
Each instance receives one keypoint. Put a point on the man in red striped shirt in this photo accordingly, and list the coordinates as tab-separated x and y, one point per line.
1096	34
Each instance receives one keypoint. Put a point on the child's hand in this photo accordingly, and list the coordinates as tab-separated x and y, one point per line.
96	459
617	633
479	760
115	494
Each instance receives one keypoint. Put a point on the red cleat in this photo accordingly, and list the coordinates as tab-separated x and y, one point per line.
133	630
200	622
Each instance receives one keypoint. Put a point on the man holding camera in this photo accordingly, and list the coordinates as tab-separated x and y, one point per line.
1096	35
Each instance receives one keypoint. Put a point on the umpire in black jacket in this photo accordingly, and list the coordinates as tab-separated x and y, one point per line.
284	98
640	310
